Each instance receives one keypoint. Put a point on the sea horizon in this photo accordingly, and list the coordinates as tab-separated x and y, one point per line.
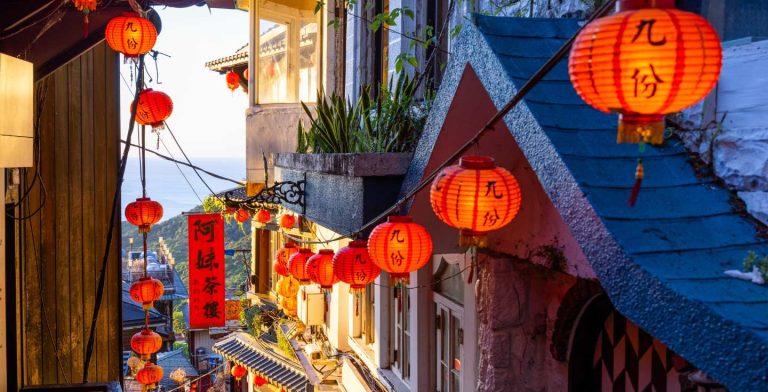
166	185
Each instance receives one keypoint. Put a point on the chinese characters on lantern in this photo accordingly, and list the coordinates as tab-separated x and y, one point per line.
647	80
206	271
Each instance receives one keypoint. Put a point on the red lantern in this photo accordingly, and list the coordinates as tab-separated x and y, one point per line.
146	342
259	381
233	80
86	7
320	269
643	62
297	265
146	291
476	197
150	375
144	212
263	216
154	108
245	73
283	254
400	247
130	34
287	221
353	265
230	210
238	372
242	215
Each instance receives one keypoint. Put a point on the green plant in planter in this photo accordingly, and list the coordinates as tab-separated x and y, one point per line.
391	123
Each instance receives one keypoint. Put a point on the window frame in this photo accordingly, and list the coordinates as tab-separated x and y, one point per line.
400	342
292	18
454	313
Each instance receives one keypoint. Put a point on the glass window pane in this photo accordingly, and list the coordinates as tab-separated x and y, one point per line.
273	62
308	43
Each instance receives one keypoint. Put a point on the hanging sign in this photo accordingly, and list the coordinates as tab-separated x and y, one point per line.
206	271
233	310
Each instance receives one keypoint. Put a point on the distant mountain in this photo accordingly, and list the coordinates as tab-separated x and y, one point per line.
174	233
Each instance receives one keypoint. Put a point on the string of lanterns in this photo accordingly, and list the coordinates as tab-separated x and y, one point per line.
134	36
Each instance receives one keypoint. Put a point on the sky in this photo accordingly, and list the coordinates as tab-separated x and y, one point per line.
208	119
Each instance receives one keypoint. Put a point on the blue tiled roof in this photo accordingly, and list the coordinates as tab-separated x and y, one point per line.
244	350
171	361
660	262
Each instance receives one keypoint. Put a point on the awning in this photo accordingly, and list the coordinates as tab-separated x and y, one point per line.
246	351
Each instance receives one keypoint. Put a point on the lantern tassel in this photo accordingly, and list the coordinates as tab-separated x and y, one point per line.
639	174
85	26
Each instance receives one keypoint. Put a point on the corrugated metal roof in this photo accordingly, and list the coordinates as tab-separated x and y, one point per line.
662	261
171	361
245	350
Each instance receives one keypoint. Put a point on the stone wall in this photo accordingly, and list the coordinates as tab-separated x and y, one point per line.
728	129
518	305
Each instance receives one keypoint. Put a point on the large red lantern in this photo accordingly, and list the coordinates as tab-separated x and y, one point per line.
233	80
297	264
353	265
238	372
150	375
476	197
144	212
645	61
263	216
146	291
146	342
287	221
154	108
283	254
242	215
130	34
400	247
320	269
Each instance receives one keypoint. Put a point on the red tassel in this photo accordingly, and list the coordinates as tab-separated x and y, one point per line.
357	305
639	174
85	26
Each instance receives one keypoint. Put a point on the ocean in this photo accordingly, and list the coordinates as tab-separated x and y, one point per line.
166	185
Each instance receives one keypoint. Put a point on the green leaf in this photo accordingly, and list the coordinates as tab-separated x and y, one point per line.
319	6
413	61
409	13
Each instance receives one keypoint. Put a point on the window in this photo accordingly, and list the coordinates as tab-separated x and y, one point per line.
401	335
289	53
449	337
369	307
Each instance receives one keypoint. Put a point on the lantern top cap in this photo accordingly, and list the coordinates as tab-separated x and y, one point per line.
325	252
399	219
289	245
130	14
305	250
143	199
477	162
358	244
629	5
147	331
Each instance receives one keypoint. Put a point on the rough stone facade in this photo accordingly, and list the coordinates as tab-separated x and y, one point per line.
518	305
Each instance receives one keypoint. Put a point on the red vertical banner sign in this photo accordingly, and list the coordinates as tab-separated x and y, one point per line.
206	270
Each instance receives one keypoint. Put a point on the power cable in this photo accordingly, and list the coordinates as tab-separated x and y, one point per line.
111	227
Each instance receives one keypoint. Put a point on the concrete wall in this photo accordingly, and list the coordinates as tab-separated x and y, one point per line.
269	129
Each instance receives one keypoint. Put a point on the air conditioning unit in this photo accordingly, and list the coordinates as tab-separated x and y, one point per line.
311	305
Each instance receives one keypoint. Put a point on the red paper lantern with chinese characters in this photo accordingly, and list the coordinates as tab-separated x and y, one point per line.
400	247
476	197
242	215
153	108
146	291
150	375
353	265
233	80
144	212
287	286
297	265
645	61
320	269
130	34
146	342
287	221
238	372
259	381
263	216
